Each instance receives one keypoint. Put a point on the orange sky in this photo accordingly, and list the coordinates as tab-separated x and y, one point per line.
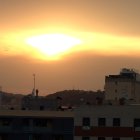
109	36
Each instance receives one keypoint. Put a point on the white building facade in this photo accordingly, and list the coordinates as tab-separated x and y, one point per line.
107	123
125	85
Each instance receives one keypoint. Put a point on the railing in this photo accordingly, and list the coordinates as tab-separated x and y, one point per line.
34	129
5	129
25	129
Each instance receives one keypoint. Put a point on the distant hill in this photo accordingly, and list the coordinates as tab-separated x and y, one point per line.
65	98
77	97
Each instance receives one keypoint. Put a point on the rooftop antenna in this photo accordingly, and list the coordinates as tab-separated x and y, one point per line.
0	96
33	93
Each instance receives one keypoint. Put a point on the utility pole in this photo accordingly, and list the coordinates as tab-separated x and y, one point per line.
0	88
0	96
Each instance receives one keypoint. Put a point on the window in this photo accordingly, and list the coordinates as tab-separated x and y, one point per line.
26	122
36	137
101	138
116	121
115	90
40	122
136	122
136	138
115	138
58	137
5	121
42	107
85	138
101	122
86	121
3	136
116	83
49	123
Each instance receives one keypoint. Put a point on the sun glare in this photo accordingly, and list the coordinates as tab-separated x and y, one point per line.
52	44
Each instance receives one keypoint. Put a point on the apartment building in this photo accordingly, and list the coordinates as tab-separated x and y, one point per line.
87	122
36	125
124	85
107	122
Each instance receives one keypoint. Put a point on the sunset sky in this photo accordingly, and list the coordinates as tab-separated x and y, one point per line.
68	44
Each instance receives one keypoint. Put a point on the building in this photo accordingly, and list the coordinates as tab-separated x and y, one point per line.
38	103
87	122
124	85
36	125
107	122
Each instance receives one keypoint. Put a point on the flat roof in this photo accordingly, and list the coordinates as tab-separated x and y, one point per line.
35	113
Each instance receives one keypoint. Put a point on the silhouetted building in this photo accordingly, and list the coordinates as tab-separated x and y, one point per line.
38	103
36	125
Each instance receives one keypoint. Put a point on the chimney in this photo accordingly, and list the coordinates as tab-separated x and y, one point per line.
37	91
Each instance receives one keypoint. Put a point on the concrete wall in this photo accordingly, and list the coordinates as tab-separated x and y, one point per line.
126	130
125	113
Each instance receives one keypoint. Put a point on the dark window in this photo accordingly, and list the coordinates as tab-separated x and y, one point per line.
85	138
40	122
36	137
86	121
116	121
49	123
5	121
115	138
3	136
115	90
58	137
42	107
101	138
26	122
136	122
101	122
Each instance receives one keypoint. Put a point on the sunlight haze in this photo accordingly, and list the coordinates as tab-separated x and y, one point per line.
67	43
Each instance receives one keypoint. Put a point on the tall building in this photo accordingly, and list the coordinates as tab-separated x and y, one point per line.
124	85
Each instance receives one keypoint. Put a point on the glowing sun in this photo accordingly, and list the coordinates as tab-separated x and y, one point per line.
52	44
